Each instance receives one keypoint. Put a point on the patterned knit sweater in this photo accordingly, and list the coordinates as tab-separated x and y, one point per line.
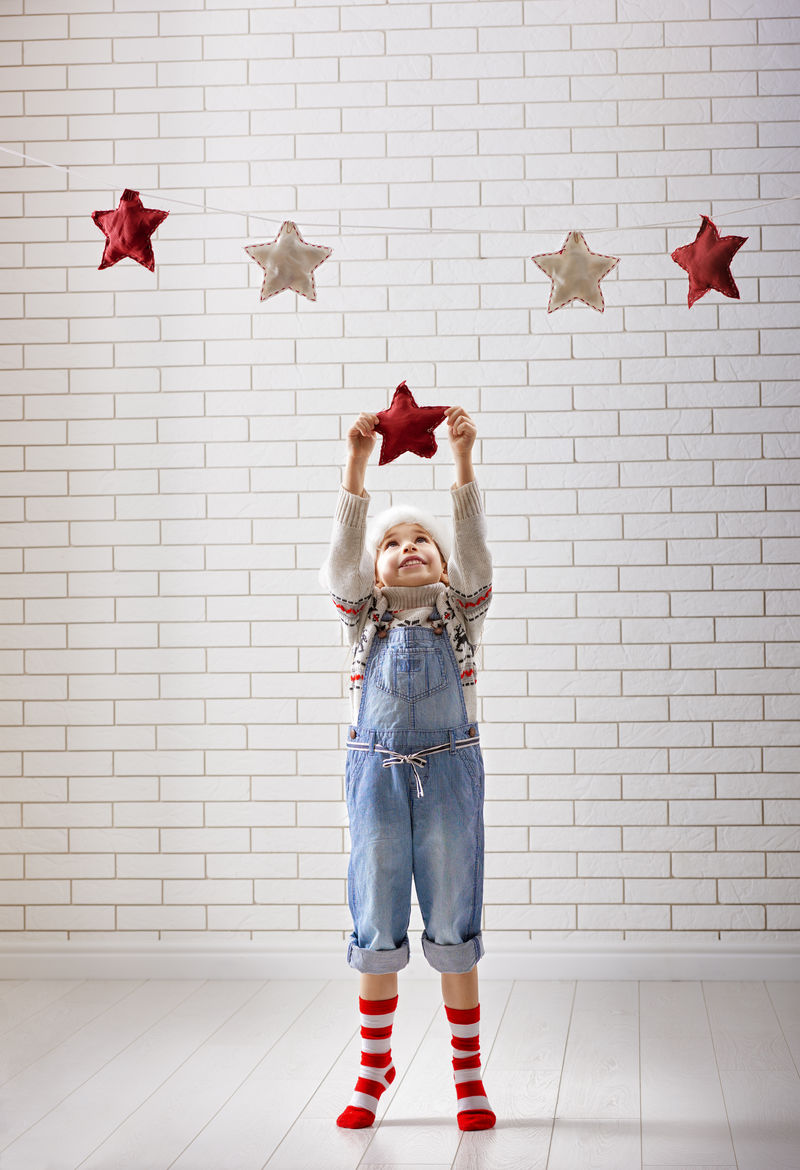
462	605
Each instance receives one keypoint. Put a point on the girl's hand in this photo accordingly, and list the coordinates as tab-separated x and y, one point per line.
462	431
362	436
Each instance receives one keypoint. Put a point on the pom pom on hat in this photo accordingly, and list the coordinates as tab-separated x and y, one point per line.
408	514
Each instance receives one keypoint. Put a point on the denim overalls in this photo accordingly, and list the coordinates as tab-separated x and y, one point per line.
414	785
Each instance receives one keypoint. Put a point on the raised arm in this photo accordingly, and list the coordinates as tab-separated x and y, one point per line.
361	440
462	432
470	565
349	571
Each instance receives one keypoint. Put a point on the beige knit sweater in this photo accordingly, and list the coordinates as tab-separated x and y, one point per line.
360	602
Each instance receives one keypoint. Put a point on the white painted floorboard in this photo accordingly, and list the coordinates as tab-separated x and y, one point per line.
251	1074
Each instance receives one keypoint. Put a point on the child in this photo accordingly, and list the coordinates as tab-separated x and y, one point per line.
414	779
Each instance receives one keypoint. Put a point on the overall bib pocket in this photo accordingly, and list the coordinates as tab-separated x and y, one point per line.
410	674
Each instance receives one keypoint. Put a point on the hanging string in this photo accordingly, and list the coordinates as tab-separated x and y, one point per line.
339	229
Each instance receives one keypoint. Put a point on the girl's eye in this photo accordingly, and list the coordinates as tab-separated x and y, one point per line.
421	539
389	543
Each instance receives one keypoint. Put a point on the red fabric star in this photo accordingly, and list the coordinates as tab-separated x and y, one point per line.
408	427
708	261
128	229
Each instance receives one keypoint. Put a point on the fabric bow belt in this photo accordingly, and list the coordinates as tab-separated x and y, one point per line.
415	759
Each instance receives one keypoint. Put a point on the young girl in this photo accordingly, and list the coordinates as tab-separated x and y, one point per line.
414	779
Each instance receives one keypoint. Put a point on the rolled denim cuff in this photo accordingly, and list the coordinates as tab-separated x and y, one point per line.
378	962
457	957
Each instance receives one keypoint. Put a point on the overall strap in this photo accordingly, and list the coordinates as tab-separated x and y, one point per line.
436	620
383	623
434	617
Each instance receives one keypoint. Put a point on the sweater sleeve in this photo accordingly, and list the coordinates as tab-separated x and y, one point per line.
349	571
469	569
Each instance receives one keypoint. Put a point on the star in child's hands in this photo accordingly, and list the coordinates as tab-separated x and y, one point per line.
708	261
128	229
288	262
576	273
408	427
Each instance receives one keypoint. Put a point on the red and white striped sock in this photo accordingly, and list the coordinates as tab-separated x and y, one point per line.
474	1111
377	1070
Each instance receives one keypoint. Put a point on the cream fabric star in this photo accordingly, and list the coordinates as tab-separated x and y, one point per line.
575	272
288	262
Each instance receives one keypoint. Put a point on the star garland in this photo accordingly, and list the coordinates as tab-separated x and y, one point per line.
289	262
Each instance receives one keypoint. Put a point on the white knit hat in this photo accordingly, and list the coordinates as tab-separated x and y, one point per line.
407	514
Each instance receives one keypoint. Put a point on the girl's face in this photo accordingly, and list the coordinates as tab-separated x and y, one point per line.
408	555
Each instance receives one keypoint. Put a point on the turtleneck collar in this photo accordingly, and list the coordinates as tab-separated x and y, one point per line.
400	597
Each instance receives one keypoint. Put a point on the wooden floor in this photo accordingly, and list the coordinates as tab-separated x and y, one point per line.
239	1075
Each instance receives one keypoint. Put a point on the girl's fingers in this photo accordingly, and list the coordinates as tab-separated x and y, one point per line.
463	426
457	418
365	424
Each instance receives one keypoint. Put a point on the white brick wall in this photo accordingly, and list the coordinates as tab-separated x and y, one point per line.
173	681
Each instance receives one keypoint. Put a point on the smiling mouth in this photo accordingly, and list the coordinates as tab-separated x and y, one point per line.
411	561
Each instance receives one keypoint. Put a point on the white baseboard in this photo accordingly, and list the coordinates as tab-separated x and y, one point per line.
169	961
